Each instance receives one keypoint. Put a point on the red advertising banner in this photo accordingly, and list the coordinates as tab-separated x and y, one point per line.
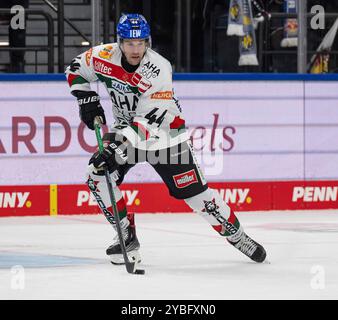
245	196
298	195
154	198
140	198
24	200
75	199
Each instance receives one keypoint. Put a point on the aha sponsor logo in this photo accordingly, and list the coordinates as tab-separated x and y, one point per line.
101	67
14	199
149	70
87	198
314	194
185	179
235	195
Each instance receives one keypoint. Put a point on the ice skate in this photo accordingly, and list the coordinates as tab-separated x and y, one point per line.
250	248
132	245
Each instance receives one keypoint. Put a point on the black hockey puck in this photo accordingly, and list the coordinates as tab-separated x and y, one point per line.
139	271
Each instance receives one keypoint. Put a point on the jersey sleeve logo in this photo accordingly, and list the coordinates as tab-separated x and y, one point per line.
162	95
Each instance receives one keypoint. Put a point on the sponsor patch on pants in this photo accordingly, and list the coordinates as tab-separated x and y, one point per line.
185	179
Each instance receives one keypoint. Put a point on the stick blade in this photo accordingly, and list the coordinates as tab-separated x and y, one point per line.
130	266
139	271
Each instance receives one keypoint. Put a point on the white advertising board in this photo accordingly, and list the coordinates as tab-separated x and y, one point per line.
241	131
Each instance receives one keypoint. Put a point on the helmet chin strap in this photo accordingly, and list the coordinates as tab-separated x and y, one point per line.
148	43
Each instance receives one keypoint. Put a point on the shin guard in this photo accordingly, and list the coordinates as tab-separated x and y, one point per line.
98	187
210	206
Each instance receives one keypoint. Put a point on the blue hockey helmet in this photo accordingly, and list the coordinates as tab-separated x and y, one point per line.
133	26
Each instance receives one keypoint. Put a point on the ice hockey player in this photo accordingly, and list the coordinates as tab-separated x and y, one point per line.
149	126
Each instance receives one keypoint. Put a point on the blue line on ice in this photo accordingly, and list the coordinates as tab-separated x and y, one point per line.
8	260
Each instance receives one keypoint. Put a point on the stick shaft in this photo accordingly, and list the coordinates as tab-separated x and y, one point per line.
130	266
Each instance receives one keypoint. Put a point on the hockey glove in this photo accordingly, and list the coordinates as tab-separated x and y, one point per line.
90	107
114	155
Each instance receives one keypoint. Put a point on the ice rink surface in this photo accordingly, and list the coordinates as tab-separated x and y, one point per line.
63	257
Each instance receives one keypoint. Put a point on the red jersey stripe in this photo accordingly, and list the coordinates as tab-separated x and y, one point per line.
112	70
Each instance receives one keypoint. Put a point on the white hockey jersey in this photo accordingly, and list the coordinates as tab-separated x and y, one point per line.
145	109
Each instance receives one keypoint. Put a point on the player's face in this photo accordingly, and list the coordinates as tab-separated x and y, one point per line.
134	50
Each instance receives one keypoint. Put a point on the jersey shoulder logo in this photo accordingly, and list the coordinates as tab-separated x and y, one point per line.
106	52
88	55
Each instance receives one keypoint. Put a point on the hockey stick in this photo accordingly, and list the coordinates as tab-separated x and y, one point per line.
130	266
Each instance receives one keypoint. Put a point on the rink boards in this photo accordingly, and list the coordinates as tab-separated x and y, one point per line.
265	142
154	198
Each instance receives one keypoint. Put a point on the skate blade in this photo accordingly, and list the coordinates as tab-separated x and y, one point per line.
133	256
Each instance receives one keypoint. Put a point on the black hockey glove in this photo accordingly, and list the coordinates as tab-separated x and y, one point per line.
90	107
114	155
